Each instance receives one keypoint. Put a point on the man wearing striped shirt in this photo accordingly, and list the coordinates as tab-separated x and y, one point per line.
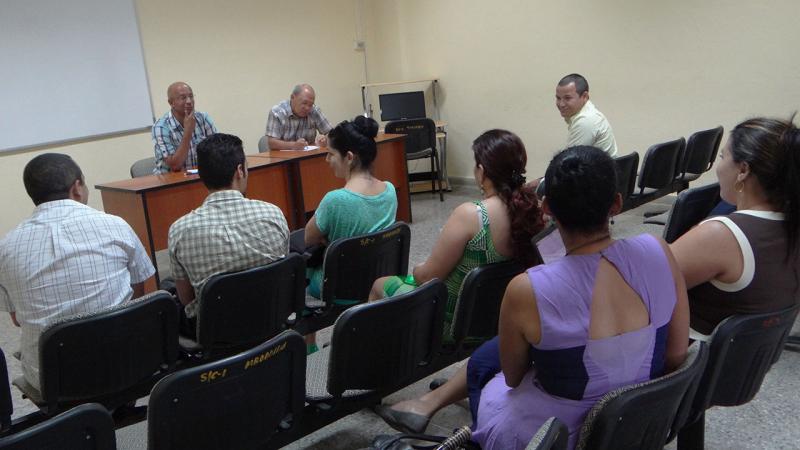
228	232
292	124
66	259
177	133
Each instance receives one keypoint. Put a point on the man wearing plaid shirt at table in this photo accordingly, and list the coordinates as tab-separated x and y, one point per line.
177	133
292	124
228	232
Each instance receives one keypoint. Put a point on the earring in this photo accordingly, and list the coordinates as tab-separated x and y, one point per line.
738	186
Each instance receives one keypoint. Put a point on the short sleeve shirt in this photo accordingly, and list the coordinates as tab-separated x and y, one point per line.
167	136
228	232
284	125
343	213
66	259
590	127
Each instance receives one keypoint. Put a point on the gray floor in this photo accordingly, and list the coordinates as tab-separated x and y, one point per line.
771	420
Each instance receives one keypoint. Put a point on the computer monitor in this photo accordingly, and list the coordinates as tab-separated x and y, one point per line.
402	105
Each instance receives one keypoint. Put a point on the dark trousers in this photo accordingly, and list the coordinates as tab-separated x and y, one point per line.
483	365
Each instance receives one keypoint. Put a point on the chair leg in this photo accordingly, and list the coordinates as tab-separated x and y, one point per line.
439	176
433	180
692	436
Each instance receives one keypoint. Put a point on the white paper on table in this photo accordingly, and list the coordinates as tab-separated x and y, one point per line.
308	148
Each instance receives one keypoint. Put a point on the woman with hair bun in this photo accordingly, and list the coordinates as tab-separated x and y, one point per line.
754	267
364	205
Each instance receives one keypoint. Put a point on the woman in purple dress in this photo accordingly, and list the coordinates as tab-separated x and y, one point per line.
609	314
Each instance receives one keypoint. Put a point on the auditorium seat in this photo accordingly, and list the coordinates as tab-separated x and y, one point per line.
692	206
626	177
552	435
642	416
379	345
658	171
111	357
84	427
240	402
240	310
350	266
742	350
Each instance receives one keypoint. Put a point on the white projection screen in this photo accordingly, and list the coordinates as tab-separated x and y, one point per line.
70	69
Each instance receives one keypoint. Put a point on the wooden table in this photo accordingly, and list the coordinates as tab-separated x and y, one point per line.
293	181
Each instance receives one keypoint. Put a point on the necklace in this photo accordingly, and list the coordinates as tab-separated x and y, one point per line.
586	244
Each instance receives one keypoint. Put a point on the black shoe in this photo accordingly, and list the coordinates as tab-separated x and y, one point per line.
402	421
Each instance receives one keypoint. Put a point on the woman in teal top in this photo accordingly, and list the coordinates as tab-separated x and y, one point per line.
364	205
496	228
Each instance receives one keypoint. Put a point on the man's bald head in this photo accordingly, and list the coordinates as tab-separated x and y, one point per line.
302	100
180	98
303	87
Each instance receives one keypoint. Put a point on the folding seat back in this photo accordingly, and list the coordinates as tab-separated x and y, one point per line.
110	357
552	435
352	264
6	404
742	350
239	310
660	165
238	402
85	427
701	149
477	309
641	416
383	344
691	207
627	166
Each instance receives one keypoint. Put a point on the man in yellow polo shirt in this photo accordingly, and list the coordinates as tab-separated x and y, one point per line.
586	125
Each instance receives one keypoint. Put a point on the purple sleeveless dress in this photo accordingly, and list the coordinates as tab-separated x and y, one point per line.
571	372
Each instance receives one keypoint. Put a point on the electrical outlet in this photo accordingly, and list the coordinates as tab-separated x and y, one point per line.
359	46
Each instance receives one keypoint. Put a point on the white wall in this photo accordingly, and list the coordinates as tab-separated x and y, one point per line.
658	70
240	57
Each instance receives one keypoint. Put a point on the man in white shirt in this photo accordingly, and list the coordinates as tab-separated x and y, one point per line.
585	123
66	259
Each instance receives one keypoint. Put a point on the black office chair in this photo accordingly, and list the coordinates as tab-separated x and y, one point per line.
143	167
85	427
420	143
240	402
742	350
379	346
701	150
658	171
240	310
552	435
641	416
350	266
111	357
691	207
626	177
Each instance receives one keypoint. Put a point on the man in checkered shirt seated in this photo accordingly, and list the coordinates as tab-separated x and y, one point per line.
66	258
293	124
228	232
